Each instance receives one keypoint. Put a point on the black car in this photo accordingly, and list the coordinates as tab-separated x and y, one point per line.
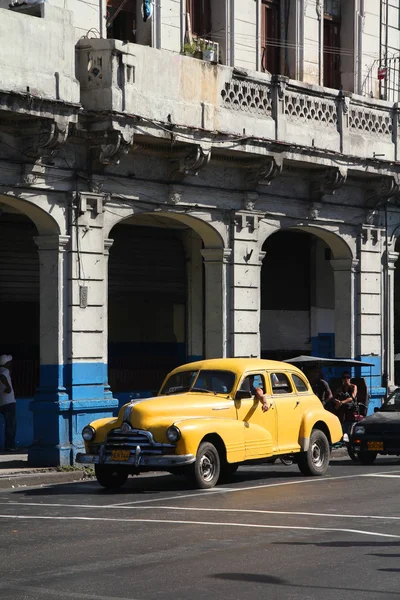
378	433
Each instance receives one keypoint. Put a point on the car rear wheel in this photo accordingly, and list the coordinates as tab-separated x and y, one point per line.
205	471
110	477
367	458
315	460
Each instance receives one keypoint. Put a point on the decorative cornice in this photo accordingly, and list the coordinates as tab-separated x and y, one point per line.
197	158
43	138
328	182
264	171
382	189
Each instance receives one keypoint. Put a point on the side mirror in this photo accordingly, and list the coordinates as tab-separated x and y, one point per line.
376	409
242	395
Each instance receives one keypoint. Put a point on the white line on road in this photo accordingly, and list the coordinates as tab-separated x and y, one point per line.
211	523
246	489
198	509
56	593
381	475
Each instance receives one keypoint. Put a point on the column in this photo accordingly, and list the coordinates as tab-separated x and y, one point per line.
86	372
107	245
344	274
216	310
389	321
246	287
371	313
194	300
51	444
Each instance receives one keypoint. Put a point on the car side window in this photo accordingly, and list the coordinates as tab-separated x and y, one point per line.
299	383
251	382
280	384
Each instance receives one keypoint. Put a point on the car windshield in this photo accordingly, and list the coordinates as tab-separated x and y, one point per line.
206	381
393	401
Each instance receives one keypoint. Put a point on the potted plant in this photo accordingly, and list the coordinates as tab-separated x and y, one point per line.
189	49
209	53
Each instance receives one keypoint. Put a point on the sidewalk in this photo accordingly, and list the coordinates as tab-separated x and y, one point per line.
15	472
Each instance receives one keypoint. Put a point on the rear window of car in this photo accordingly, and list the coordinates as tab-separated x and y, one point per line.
300	385
280	383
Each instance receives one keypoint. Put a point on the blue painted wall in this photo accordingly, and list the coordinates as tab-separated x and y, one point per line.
24	425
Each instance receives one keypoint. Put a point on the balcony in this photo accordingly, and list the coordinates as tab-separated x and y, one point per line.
37	60
195	94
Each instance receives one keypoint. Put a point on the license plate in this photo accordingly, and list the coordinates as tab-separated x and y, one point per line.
120	454
376	446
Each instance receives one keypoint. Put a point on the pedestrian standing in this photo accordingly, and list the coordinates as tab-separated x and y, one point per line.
7	403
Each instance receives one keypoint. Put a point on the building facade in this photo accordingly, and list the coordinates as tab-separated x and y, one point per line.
192	178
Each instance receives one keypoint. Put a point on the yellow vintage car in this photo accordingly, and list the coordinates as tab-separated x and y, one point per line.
208	418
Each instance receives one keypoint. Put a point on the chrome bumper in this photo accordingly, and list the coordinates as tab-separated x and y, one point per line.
157	462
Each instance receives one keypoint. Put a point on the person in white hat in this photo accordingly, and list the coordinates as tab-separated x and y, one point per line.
7	403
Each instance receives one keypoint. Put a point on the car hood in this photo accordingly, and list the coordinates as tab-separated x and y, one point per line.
166	410
380	418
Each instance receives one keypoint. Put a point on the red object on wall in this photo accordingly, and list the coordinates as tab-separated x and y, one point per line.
382	71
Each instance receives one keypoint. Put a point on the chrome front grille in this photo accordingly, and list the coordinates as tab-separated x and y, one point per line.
128	438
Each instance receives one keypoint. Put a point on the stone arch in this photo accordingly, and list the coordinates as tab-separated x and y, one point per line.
44	222
331	314
171	300
210	235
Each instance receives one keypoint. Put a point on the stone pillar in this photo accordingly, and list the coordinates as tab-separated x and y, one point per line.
86	374
216	309
389	320
245	287
194	310
107	245
345	299
51	445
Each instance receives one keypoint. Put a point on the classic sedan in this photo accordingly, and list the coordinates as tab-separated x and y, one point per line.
378	433
211	416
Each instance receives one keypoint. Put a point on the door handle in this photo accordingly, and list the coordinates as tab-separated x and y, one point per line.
297	403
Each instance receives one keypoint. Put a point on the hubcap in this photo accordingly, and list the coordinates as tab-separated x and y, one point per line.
207	466
317	454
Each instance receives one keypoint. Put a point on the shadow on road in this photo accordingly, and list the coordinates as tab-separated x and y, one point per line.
268	579
349	544
161	483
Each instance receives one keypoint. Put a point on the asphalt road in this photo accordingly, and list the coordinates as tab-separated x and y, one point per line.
270	533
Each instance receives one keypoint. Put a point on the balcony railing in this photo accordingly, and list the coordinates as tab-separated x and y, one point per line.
235	102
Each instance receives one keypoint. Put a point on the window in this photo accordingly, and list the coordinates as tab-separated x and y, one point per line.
251	382
280	384
332	18
199	12
270	36
122	21
301	385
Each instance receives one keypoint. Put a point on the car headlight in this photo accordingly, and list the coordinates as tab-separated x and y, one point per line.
88	433
173	434
359	429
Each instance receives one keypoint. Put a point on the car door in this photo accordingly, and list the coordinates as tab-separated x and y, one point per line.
289	412
259	428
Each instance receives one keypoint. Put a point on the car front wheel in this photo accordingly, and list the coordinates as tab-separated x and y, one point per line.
205	471
110	477
315	460
367	458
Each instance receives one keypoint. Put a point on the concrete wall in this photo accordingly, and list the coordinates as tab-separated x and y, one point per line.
38	53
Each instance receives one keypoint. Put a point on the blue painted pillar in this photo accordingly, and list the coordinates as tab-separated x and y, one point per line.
51	443
73	334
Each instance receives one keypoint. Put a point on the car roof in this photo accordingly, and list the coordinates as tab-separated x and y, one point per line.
238	365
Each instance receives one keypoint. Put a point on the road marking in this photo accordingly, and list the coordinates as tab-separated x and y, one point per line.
381	475
57	593
245	489
211	523
197	509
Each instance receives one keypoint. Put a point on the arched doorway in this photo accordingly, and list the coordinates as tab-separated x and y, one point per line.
166	298
307	295
20	298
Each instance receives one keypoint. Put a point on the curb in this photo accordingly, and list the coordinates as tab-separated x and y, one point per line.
22	480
